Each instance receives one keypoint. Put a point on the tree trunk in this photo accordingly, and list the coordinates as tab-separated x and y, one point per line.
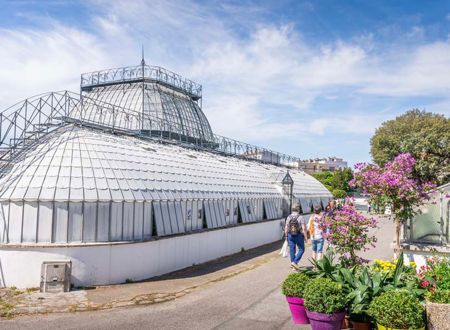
353	257
398	227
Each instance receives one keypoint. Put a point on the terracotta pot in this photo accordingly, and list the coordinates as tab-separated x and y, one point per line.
361	325
346	323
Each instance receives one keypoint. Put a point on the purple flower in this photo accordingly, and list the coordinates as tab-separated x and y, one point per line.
348	231
393	184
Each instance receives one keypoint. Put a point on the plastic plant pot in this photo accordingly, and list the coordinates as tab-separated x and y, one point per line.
323	321
297	310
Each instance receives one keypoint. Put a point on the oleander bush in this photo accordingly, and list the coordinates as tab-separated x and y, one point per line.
348	231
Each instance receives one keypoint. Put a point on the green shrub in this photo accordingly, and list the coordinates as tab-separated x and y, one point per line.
294	285
322	295
397	309
339	193
439	296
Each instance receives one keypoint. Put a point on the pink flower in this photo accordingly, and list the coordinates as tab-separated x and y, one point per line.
348	230
424	284
393	184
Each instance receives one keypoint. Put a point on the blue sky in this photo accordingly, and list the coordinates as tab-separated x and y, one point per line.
309	78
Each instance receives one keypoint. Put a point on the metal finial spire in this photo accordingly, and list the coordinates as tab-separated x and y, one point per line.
143	60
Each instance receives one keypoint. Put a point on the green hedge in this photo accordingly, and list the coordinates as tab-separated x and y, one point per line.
324	296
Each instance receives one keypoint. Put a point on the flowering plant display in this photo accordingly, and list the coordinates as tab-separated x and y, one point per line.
389	265
393	185
348	232
362	283
435	274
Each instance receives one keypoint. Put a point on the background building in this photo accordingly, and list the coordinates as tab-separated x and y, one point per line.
316	165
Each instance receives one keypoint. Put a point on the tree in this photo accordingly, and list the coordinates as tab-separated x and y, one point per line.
425	135
326	178
339	193
341	177
394	185
336	182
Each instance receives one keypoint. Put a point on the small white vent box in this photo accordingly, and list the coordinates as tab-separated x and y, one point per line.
55	276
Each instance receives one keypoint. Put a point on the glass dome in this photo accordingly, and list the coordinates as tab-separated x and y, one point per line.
168	103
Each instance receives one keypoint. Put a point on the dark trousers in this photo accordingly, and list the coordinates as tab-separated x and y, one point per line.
299	241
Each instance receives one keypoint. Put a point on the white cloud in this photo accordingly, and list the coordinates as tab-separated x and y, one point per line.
37	61
261	81
422	72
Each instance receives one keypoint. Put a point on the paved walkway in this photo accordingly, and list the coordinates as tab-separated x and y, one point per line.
245	294
156	290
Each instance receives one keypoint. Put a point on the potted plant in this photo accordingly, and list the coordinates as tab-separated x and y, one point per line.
293	288
438	309
397	310
325	304
434	276
348	231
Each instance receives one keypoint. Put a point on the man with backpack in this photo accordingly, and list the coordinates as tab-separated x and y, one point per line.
295	231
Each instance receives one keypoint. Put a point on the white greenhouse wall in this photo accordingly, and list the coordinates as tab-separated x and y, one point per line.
420	256
102	264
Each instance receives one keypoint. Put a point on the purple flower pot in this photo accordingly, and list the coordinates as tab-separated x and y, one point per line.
297	310
322	321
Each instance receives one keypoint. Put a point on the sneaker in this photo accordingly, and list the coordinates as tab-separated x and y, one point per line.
294	265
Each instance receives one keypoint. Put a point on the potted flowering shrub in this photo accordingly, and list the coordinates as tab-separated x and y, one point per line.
348	231
325	304
438	309
293	288
397	310
435	278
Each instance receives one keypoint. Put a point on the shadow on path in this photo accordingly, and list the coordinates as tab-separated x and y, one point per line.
219	264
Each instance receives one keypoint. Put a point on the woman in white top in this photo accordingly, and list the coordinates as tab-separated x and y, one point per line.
315	232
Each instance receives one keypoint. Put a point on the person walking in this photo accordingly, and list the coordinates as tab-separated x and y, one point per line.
317	240
331	209
295	231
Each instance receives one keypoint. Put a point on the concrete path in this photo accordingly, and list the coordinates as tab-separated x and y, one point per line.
250	299
156	290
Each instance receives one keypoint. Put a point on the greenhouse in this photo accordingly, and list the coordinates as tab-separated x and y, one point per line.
133	159
428	232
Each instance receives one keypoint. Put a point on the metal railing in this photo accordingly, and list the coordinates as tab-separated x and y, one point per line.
139	73
26	122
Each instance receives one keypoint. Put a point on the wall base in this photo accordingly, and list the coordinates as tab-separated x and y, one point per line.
103	264
420	252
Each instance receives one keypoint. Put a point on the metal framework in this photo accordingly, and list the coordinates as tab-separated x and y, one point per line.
156	102
143	101
150	74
